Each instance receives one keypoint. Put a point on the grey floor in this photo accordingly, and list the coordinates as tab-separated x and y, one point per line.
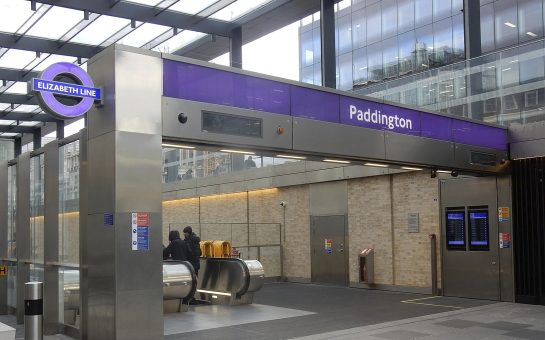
311	312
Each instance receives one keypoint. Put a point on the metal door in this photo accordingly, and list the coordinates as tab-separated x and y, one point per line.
328	244
467	272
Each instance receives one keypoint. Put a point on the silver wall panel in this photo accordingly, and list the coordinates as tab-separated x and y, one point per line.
23	231
288	180
101	173
329	198
507	280
411	149
473	274
51	238
325	175
527	149
526	132
3	234
336	139
462	157
192	129
363	171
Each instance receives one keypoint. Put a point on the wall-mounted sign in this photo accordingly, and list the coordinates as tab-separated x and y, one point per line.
505	240
503	214
140	231
3	270
61	81
413	222
328	243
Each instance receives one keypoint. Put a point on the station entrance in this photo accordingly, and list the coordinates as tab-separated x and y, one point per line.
119	169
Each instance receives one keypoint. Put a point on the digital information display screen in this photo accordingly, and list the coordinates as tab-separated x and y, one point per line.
456	238
478	230
231	124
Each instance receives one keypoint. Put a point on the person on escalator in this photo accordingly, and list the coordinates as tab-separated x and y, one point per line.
193	242
177	248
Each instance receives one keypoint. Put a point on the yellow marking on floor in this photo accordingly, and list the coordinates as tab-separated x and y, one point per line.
429	304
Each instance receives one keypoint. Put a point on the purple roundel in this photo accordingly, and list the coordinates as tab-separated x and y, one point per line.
48	101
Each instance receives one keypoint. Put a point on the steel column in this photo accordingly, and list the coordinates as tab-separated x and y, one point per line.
235	48
17	147
22	230
472	28
3	234
37	139
51	238
327	30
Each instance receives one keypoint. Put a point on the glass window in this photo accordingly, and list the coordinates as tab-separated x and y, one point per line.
458	45
374	60
487	28
406	43
423	47
191	6
506	23
390	58
360	66
531	64
373	24
442	42
344	29
441	9
318	74
307	50
405	15
100	30
50	27
345	71
359	31
69	203
457	6
530	19
389	18
317	45
143	34
12	211
307	75
422	12
37	208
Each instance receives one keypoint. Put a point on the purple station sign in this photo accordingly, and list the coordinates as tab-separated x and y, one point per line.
209	85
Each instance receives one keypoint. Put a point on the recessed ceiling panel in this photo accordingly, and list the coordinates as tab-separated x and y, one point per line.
53	58
143	34
55	23
238	9
18	88
100	30
13	14
27	108
191	6
17	59
152	3
178	41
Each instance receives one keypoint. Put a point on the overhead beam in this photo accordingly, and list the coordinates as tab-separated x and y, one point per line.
47	46
17	129
18	99
16	75
133	11
28	117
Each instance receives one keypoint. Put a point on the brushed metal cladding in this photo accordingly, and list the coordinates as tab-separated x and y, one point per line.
101	293
462	157
527	149
412	149
337	139
83	211
101	160
324	175
138	161
471	274
138	92
526	132
101	68
51	238
192	129
3	234
138	280
329	198
507	279
22	230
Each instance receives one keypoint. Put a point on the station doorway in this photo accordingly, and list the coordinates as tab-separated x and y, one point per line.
328	255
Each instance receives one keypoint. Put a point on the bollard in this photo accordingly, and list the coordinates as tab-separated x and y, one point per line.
34	308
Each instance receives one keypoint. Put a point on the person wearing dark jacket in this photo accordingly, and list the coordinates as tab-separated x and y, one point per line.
193	242
177	249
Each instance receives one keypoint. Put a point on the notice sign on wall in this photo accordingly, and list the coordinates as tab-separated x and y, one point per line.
503	214
140	231
328	246
3	270
505	240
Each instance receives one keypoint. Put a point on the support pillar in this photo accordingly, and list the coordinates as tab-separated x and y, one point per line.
123	296
22	231
472	23
60	129
17	147
235	48
3	236
327	30
37	139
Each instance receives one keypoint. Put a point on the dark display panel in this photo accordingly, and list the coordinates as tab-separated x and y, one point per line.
231	124
478	229
456	239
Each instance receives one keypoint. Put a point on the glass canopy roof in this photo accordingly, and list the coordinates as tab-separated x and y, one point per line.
66	34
